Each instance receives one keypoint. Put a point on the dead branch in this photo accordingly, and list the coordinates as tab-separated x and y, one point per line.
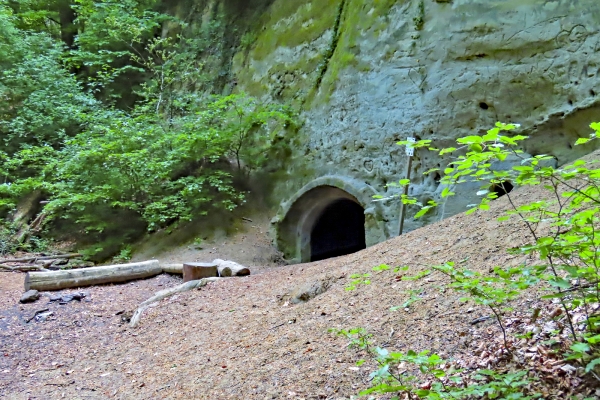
163	294
23	268
30	259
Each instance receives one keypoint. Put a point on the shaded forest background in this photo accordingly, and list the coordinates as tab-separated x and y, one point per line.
119	118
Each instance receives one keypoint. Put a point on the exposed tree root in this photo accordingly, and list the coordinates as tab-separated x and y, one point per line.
163	294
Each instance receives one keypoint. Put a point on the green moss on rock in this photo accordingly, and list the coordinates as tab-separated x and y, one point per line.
293	22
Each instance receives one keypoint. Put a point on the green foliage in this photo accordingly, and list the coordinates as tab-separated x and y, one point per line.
8	244
380	268
563	235
419	20
414	295
41	103
418	276
400	372
492	291
357	280
111	161
124	256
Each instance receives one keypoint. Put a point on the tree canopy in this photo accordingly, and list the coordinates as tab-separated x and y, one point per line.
108	111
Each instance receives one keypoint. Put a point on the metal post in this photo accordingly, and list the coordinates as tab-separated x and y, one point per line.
409	152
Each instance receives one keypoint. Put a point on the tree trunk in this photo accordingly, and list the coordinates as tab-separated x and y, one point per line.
28	207
68	29
176	269
57	280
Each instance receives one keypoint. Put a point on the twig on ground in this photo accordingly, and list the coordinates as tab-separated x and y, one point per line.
28	259
23	268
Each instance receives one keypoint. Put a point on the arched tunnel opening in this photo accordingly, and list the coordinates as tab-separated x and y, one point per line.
338	230
328	217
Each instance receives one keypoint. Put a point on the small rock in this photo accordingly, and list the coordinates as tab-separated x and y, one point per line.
70	297
55	297
43	316
126	317
307	291
557	311
30	296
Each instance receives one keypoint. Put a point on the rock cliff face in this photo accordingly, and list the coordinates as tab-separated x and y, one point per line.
367	73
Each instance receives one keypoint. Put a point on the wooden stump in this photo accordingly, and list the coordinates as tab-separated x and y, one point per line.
194	270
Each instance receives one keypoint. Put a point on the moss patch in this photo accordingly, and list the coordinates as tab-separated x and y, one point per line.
293	22
360	19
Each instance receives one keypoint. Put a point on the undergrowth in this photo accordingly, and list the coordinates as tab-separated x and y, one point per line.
562	237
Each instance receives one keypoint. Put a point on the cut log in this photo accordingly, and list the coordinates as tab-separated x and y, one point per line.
28	259
172	268
230	268
193	271
163	294
57	280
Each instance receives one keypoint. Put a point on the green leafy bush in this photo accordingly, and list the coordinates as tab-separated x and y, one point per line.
113	163
563	235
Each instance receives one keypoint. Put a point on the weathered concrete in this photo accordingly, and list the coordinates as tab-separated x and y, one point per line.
365	74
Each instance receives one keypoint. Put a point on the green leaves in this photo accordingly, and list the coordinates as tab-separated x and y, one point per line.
357	280
172	156
441	383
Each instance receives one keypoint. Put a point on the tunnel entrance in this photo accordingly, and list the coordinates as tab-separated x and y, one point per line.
338	230
329	216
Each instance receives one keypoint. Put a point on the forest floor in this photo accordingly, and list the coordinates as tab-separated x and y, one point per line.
239	338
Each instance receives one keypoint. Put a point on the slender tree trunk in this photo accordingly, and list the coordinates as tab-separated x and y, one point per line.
68	29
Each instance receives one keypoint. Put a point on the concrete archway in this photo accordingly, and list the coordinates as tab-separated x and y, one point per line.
330	216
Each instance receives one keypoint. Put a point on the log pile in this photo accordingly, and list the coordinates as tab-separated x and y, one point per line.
192	272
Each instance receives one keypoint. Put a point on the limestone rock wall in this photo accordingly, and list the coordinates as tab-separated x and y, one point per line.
367	73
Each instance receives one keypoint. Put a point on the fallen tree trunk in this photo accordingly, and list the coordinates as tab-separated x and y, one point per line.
28	259
163	294
57	280
176	269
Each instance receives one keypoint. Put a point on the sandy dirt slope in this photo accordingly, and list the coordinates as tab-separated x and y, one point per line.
237	338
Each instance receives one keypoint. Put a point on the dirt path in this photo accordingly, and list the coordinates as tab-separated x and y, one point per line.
236	338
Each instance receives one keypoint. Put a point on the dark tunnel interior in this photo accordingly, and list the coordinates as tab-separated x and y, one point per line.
339	230
502	189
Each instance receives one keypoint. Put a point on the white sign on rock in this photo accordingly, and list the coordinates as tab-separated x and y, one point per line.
410	151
